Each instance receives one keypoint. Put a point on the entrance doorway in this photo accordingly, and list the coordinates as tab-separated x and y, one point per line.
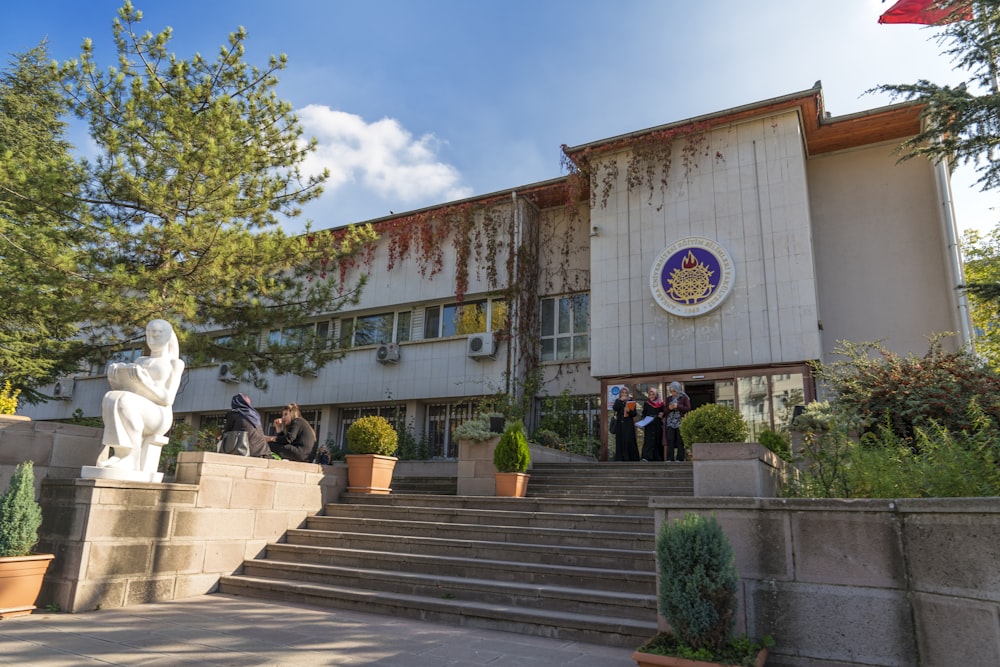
700	393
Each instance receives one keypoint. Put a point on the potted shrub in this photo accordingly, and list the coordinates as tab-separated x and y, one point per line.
371	443
20	571
713	422
697	580
511	458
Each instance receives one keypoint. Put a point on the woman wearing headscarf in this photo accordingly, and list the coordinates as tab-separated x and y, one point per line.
624	408
678	405
242	417
652	432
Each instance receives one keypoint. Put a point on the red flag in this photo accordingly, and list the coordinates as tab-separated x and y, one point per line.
925	12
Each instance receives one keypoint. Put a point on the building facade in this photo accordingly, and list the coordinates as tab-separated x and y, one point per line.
725	252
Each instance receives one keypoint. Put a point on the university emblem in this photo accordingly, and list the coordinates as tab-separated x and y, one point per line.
691	277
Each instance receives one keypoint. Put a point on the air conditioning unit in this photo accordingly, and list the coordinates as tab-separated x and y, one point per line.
387	354
64	389
482	346
226	373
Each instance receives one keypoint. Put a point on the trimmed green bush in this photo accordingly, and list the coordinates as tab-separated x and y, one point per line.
698	579
776	442
512	453
476	430
372	435
20	513
713	422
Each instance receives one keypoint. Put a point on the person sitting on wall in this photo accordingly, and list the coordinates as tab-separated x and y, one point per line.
678	405
295	439
242	417
138	411
626	447
652	433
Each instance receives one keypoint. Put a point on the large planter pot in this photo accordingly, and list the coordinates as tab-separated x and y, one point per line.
369	473
20	582
512	484
653	660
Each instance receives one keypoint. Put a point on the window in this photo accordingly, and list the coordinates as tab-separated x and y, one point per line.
442	420
394	414
466	318
375	329
299	335
565	328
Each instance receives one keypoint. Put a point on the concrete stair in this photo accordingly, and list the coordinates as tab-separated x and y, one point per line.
576	566
611	480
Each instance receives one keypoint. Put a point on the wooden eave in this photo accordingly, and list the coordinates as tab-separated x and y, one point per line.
822	134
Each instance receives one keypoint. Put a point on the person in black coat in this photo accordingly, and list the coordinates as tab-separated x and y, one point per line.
652	433
626	447
242	417
295	439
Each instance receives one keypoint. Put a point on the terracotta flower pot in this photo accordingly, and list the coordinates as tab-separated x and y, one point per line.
20	582
512	484
369	473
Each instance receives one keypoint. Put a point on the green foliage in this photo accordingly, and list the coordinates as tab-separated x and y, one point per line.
512	453
80	419
935	463
547	438
879	386
413	449
8	399
776	442
737	651
39	297
372	435
713	422
961	123
476	429
177	216
697	581
981	254
20	513
566	415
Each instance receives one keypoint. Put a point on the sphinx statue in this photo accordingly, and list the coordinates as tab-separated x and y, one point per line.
138	411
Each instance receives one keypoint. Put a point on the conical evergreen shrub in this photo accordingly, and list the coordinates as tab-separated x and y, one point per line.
20	513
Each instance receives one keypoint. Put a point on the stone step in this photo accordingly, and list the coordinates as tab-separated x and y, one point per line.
589	628
605	507
555	536
635	606
552	574
484	545
387	507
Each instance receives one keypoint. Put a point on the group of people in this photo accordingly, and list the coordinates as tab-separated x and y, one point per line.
294	438
661	433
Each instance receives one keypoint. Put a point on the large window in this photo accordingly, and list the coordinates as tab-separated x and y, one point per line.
465	318
442	420
394	414
565	328
375	329
298	335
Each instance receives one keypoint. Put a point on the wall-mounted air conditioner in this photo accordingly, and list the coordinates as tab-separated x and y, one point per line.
387	354
226	373
481	346
64	389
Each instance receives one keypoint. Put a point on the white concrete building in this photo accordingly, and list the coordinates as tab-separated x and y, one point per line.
725	251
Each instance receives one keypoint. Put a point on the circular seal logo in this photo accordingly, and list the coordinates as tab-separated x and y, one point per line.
691	277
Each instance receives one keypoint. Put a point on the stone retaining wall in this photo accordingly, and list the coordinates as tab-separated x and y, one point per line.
851	583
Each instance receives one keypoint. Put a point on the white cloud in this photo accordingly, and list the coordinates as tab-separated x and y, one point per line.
382	157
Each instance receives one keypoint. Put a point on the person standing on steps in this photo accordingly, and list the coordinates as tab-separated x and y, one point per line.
652	433
678	405
626	447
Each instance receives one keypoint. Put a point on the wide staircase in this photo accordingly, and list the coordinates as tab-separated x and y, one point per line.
574	560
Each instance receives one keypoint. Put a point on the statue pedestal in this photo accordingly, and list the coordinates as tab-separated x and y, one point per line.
122	474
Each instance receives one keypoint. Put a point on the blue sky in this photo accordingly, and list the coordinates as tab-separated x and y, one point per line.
420	102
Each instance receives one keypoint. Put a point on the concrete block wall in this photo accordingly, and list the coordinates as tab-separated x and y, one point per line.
737	469
122	543
860	583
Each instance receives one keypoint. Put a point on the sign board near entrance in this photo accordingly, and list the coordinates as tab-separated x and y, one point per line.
692	277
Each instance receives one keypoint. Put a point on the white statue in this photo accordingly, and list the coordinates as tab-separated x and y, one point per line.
138	410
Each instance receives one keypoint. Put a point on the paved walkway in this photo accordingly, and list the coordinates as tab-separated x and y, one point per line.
232	630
